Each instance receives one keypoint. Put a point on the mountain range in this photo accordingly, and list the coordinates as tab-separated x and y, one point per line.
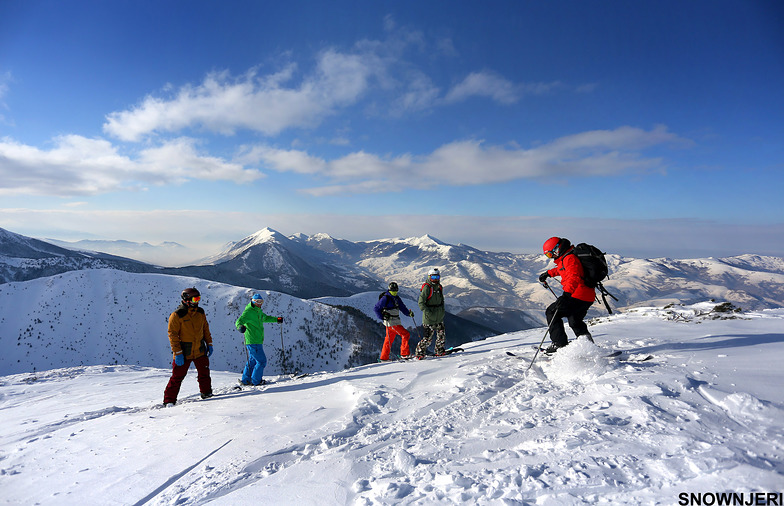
496	290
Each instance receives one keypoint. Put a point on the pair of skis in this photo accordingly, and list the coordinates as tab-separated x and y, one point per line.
406	358
241	385
620	355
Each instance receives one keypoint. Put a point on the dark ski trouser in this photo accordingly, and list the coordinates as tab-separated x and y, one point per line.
574	310
257	361
392	332
440	332
178	374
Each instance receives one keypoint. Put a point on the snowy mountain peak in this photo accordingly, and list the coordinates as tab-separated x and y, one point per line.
266	234
322	237
425	241
234	249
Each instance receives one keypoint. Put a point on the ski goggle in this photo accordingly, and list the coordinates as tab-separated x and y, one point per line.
258	301
435	276
549	254
194	299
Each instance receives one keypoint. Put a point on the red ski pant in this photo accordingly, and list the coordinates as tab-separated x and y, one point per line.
392	332
178	374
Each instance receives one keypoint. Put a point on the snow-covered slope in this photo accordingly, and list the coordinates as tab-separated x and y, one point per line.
704	416
105	316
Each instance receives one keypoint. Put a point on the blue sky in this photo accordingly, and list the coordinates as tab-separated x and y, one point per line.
649	128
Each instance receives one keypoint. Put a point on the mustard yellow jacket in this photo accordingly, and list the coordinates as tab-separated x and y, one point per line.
189	332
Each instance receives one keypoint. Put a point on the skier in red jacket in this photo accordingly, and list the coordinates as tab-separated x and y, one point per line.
576	299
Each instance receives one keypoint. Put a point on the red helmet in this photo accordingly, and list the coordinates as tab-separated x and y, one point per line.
554	247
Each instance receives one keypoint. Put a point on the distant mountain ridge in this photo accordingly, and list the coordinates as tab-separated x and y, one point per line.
143	252
320	265
24	258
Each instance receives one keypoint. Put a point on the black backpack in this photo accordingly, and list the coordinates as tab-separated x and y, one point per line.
594	269
381	295
594	264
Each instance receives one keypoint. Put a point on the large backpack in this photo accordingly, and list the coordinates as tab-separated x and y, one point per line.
594	269
594	264
431	291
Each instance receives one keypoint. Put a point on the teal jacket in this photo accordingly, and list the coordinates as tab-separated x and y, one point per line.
254	318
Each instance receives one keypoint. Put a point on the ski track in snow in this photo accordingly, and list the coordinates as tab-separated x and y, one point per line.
472	427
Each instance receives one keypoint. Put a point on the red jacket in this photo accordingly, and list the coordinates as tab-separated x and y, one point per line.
570	270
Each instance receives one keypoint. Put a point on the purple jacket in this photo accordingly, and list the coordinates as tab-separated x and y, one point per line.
393	305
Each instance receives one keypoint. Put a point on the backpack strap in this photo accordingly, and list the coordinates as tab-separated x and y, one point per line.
604	293
430	293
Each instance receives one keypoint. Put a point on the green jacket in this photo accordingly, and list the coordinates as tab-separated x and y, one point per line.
431	302
254	318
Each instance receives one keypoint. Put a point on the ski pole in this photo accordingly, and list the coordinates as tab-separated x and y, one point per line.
555	315
549	288
282	348
416	327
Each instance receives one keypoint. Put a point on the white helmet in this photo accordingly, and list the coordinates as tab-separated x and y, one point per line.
433	274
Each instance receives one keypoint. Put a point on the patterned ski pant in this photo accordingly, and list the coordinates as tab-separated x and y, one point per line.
440	332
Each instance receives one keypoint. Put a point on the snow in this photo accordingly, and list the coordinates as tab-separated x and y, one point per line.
705	415
110	317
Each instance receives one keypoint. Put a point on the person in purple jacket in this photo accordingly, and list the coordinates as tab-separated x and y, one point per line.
388	309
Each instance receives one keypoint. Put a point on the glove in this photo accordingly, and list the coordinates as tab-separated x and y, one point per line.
209	350
179	359
411	314
242	328
385	315
280	319
543	277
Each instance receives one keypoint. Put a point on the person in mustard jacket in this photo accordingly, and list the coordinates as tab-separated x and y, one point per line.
191	341
251	323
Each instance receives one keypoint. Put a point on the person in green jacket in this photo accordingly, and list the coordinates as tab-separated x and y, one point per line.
431	302
251	323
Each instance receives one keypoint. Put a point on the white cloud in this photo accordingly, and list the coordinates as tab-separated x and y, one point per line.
291	98
5	79
263	104
471	162
81	166
420	95
485	84
491	85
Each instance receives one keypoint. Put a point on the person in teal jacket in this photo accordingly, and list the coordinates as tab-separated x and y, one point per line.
251	323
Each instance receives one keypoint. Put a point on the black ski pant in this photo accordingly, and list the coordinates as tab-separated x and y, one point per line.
574	310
